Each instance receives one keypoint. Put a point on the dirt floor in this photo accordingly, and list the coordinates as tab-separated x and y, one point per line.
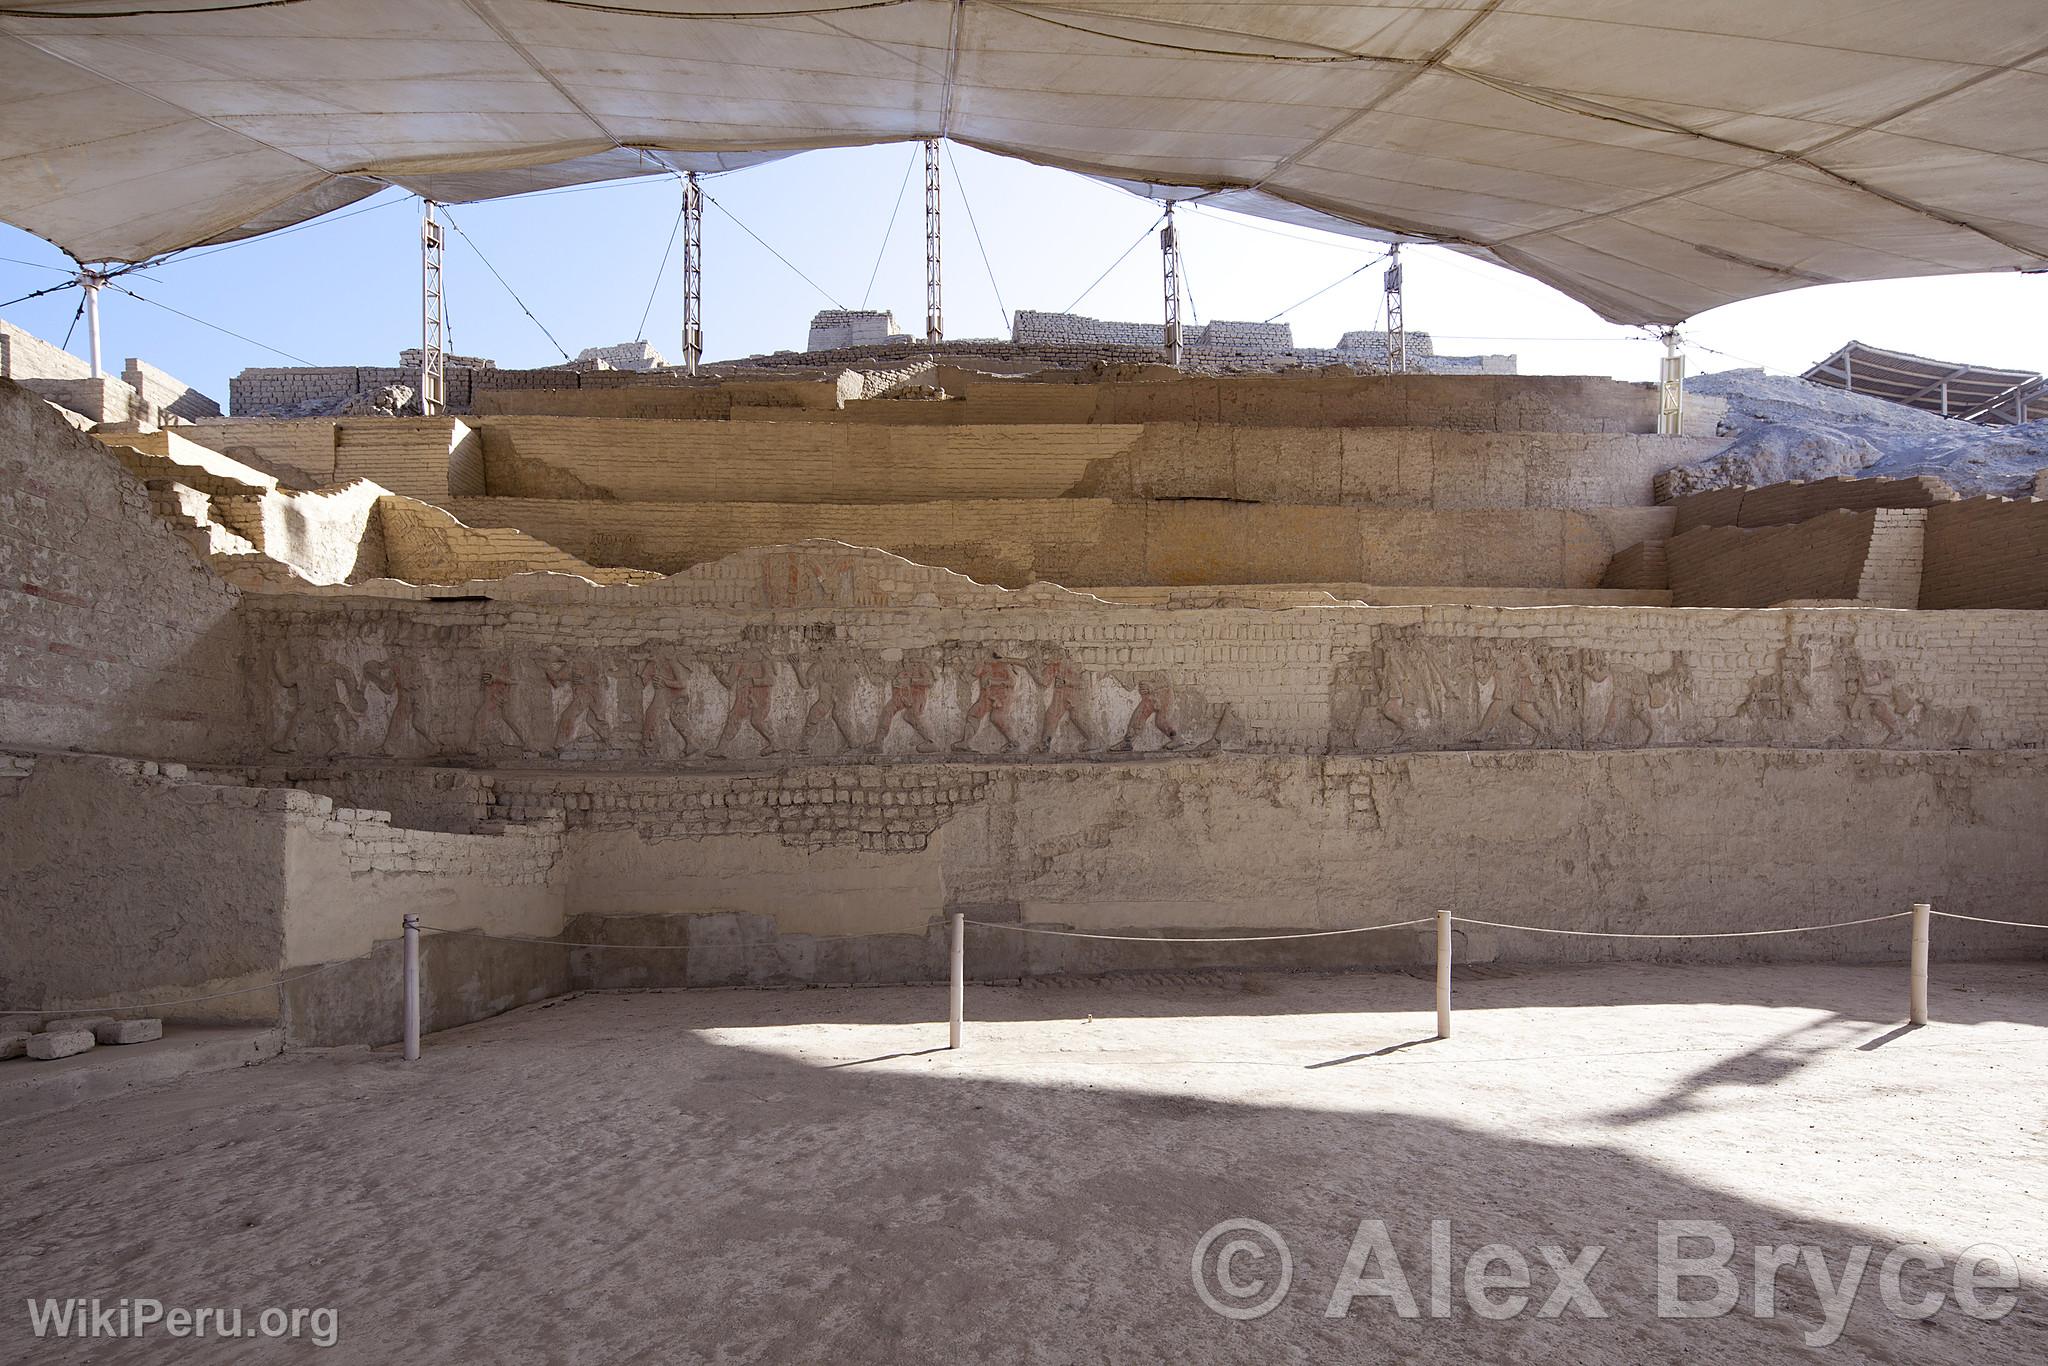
740	1176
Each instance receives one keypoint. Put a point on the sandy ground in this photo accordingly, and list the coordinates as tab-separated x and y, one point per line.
803	1175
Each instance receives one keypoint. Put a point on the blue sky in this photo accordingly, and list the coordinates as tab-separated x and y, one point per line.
345	290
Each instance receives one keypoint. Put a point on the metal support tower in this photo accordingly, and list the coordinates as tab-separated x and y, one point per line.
693	273
1169	248
90	281
1671	387
433	358
934	319
1397	325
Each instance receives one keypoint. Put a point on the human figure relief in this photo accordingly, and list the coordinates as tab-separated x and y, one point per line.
833	679
585	682
1155	705
910	687
1411	687
334	706
667	680
1063	682
1875	695
394	675
493	721
1515	690
1657	709
994	700
287	680
752	683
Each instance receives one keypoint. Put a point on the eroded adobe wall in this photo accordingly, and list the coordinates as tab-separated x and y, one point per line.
1821	558
133	881
114	636
620	459
756	877
607	681
1987	552
1017	541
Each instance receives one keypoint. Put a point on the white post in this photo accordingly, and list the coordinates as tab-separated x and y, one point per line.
412	988
92	284
959	993
1443	974
1922	914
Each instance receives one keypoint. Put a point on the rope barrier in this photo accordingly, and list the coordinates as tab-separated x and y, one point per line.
1982	920
1707	934
594	944
1196	939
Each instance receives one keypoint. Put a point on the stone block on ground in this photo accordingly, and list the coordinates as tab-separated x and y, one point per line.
44	1047
68	1023
128	1031
14	1043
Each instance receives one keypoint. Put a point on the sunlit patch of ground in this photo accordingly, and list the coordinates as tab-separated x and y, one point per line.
807	1175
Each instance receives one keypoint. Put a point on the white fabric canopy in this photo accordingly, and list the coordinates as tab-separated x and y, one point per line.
1652	158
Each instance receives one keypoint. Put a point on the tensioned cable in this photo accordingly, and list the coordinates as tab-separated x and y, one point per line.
34	265
1198	939
277	351
593	944
76	315
9	12
1330	286
960	184
654	289
1982	920
1113	265
51	289
772	251
503	281
890	231
729	16
1708	934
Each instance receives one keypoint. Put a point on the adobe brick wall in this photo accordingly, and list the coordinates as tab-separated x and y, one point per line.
796	462
1797	500
1308	680
1017	541
113	635
1821	559
166	392
1986	552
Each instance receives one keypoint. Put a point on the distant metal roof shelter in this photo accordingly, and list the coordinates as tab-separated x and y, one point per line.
1975	393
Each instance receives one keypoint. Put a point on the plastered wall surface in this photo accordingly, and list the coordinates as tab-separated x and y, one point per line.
1986	552
1646	840
826	463
216	883
113	635
1018	541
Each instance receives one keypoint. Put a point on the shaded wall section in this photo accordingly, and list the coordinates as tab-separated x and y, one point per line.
113	635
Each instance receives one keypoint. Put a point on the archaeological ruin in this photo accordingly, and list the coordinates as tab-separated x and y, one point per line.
779	672
1156	629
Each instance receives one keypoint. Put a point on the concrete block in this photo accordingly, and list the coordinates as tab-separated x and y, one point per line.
44	1047
129	1031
